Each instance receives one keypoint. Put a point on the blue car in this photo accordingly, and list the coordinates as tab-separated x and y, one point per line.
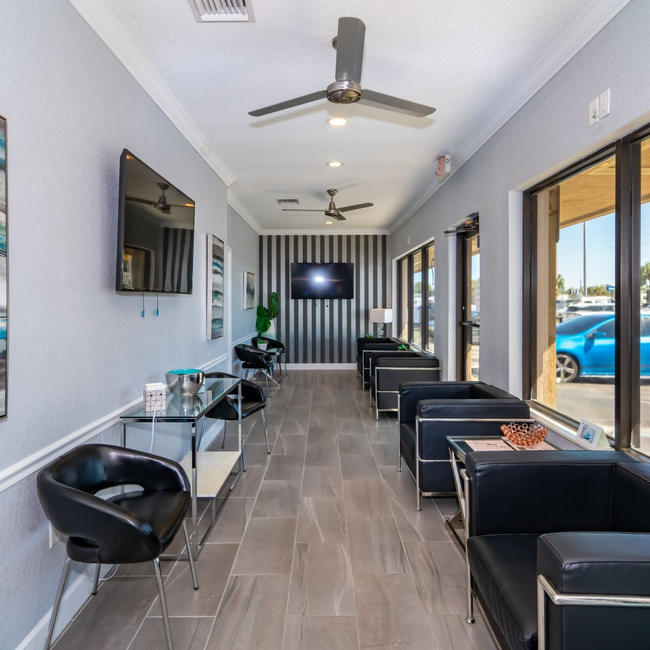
585	346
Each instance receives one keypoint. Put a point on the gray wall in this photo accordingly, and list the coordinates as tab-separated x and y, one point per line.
325	331
77	350
243	241
548	133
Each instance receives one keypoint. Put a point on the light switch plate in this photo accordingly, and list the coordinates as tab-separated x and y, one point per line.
604	104
593	112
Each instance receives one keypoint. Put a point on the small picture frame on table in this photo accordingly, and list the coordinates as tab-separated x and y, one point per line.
589	433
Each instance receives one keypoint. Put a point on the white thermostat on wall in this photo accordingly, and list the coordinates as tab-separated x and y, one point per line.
444	167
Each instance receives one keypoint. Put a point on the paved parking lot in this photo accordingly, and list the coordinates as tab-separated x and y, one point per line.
593	400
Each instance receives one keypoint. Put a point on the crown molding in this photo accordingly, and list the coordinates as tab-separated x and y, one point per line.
110	31
591	21
325	231
239	208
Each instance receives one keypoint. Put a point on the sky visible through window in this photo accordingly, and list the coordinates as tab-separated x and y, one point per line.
600	250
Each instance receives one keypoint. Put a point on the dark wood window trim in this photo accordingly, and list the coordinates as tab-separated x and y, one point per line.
627	251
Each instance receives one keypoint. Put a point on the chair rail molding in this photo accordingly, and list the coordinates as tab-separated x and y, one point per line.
31	464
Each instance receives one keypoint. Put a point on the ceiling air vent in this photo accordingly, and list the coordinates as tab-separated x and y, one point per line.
288	201
222	11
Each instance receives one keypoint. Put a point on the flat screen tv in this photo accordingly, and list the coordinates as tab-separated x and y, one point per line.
155	248
313	280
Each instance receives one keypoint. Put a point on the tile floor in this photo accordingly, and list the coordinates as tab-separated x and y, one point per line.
319	548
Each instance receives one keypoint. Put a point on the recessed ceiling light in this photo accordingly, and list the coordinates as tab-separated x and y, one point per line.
335	163
329	223
337	121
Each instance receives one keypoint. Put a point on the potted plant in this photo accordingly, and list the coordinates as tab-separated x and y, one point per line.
265	315
262	344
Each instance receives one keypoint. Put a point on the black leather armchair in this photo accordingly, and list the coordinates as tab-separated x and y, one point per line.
371	353
387	373
559	548
255	361
372	343
128	528
278	345
431	411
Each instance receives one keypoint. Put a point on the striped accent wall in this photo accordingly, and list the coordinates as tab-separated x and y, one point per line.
325	331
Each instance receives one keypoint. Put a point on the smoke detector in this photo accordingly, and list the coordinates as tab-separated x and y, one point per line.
222	11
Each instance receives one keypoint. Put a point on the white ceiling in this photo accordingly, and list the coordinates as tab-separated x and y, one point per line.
466	58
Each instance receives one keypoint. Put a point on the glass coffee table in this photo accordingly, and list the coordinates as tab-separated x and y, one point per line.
459	447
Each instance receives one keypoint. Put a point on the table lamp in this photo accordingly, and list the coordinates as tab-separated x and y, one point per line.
381	316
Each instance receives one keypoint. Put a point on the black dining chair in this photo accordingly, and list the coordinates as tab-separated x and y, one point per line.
255	361
253	401
127	528
278	345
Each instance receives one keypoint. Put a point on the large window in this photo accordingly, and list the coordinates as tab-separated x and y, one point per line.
587	292
470	316
417	298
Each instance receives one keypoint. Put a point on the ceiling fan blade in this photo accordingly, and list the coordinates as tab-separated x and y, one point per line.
358	206
180	205
299	210
349	49
137	200
395	104
305	99
340	217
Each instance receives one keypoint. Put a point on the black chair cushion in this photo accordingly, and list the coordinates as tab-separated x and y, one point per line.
226	409
631	497
504	569
163	513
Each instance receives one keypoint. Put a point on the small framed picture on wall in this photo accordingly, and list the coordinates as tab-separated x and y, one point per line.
249	290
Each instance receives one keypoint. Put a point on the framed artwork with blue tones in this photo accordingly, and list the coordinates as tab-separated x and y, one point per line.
3	267
216	287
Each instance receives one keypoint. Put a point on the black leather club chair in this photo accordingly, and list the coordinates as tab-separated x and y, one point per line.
365	341
278	345
373	352
253	401
431	411
255	361
558	548
128	528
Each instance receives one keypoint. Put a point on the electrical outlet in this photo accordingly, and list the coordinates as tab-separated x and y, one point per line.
593	112
604	102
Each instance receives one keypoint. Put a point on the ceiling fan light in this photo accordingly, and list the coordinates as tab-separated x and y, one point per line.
328	223
337	121
334	163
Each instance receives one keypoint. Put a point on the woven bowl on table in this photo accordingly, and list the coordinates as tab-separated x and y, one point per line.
523	434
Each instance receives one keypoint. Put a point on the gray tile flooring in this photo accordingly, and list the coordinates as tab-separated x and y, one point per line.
319	548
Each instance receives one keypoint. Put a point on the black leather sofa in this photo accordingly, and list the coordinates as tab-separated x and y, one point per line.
561	537
387	373
431	411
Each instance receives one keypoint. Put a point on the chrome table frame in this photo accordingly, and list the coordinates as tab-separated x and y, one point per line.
196	545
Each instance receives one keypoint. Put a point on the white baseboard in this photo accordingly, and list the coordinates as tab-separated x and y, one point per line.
321	366
73	600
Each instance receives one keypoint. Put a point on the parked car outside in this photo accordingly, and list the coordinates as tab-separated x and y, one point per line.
584	309
585	345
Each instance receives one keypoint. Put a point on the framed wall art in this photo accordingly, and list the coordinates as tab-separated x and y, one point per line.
249	290
216	287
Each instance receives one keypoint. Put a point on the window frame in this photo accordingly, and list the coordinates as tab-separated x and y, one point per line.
424	315
627	380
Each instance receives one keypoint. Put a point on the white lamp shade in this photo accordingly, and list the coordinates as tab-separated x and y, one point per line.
381	315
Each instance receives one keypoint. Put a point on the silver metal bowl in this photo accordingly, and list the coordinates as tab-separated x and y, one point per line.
185	382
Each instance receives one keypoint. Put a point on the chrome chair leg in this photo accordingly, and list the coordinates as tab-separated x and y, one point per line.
223	440
57	603
190	556
163	604
98	568
266	433
268	390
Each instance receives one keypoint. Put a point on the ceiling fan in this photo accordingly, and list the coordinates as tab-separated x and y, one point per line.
161	204
347	87
332	210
